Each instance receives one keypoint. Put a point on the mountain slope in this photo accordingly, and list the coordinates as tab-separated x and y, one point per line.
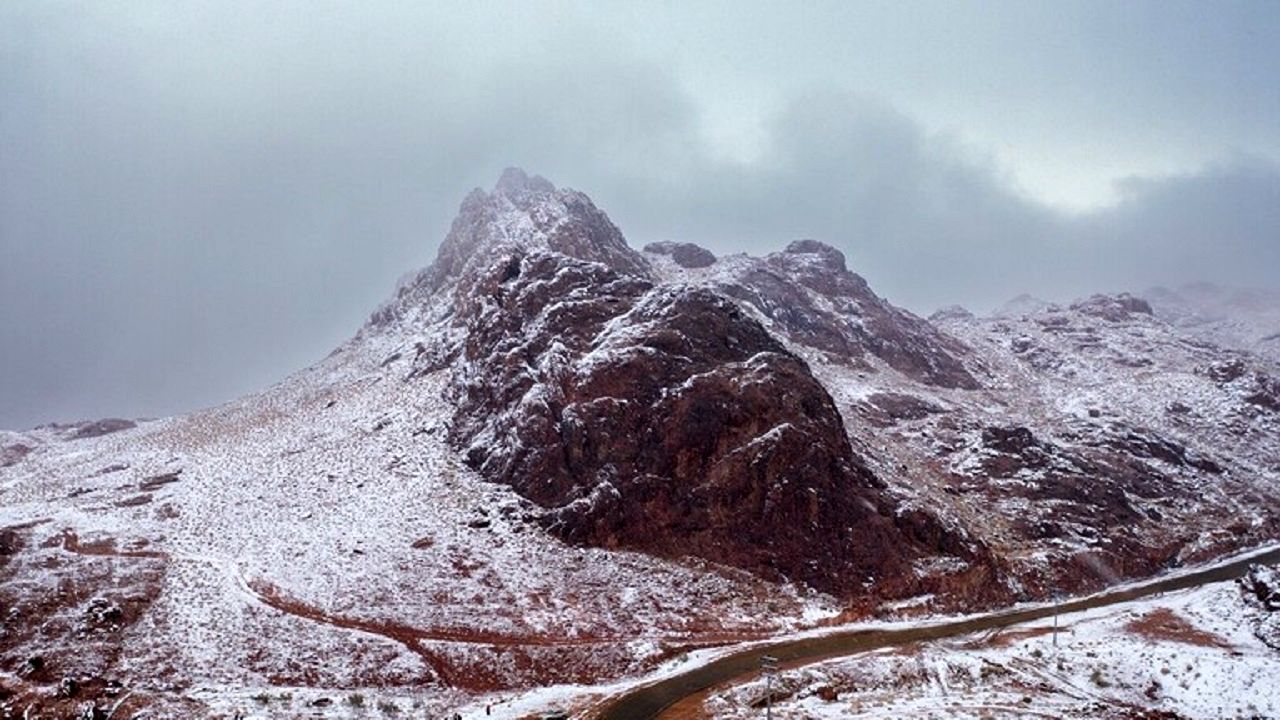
553	458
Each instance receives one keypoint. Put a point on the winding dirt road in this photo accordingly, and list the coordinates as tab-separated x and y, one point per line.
651	701
266	593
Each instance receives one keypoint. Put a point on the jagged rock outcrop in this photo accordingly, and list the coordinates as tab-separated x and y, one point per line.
810	296
98	428
13	453
663	406
529	213
522	214
736	420
1113	308
686	255
660	418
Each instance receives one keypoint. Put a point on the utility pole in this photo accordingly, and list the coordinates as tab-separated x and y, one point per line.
769	664
1057	599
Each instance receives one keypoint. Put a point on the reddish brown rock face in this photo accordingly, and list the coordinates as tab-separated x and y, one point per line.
659	418
658	408
666	420
816	301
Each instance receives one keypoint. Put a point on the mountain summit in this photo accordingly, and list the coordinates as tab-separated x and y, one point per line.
528	214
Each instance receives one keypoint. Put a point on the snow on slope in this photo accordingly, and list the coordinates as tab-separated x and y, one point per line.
1193	653
1233	318
333	496
323	536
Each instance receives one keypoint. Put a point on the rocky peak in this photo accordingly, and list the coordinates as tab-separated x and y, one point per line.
514	182
810	295
828	256
526	214
1113	308
1024	304
952	313
684	254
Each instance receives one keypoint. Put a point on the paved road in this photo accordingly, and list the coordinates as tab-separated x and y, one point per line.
650	701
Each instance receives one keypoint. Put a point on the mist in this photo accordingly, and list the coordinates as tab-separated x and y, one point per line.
198	199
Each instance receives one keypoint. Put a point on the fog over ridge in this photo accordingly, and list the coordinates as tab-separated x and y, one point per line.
195	202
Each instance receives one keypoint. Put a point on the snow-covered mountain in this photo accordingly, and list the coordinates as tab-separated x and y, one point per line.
1232	318
551	457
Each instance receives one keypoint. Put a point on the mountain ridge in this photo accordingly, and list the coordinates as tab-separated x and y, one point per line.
547	433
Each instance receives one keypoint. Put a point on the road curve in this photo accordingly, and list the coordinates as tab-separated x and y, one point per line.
649	701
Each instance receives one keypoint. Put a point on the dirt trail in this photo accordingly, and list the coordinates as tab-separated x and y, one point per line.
412	638
654	700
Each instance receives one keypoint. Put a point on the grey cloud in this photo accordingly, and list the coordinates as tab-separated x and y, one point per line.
1220	225
179	225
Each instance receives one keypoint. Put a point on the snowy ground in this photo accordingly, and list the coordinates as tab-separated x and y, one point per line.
317	548
1193	653
319	540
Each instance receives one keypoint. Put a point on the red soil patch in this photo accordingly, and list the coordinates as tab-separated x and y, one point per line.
1165	624
104	547
534	659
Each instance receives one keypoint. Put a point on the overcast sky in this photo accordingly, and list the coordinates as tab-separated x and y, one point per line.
198	198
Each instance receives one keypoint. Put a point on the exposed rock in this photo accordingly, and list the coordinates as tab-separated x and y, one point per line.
98	428
134	500
68	688
102	612
951	312
809	295
10	543
1011	440
523	214
1113	308
1261	588
771	414
900	406
1146	444
33	667
1227	371
686	255
1265	393
831	258
658	417
155	482
1263	582
13	454
665	420
90	711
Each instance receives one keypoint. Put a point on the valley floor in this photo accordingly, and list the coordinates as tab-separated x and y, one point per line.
1196	653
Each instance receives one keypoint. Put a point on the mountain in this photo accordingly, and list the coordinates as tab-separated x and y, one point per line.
1241	319
551	457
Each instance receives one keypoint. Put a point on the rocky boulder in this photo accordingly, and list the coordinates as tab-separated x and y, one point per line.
686	255
13	454
98	428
